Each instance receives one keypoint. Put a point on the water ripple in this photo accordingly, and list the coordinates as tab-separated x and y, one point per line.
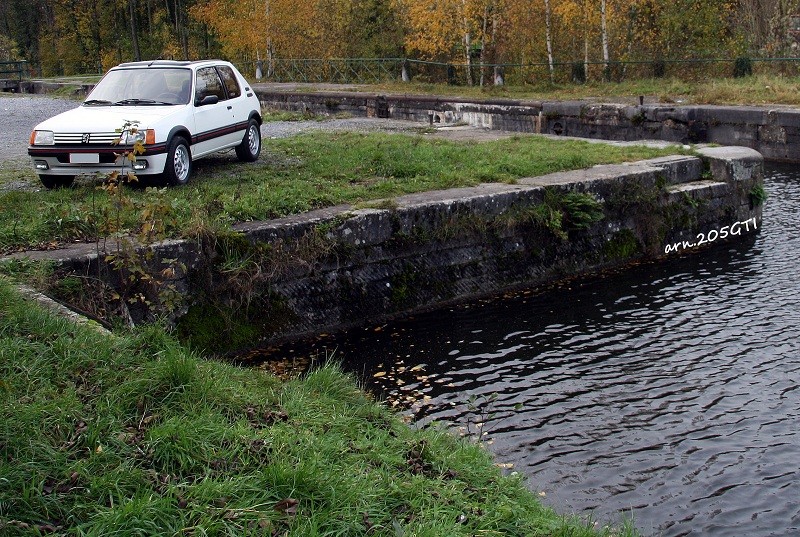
670	392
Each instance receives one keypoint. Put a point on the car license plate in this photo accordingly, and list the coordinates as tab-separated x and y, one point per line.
84	158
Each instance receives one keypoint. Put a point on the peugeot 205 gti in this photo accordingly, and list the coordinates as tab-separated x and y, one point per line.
180	112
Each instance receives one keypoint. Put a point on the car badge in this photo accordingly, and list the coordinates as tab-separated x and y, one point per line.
85	138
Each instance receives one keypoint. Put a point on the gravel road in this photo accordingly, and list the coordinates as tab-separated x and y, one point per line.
19	114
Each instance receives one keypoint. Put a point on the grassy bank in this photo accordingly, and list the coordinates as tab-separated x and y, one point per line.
133	435
753	90
294	175
749	91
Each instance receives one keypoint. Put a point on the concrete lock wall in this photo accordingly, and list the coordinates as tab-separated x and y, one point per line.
344	266
433	248
775	133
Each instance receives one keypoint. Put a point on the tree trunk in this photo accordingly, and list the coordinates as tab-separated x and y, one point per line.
134	31
632	13
586	41
467	42
604	35
549	38
270	51
483	41
270	58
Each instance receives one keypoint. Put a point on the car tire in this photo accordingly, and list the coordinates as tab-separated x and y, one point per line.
250	148
56	181
178	168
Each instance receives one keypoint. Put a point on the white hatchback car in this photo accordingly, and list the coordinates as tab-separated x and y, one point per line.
181	111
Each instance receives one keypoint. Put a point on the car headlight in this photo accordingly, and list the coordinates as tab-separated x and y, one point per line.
145	136
42	138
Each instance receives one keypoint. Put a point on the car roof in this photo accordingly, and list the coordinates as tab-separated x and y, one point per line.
170	63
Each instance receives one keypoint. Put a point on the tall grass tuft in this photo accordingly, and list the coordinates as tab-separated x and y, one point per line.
132	434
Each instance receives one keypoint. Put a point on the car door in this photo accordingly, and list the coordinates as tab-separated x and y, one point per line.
215	123
240	107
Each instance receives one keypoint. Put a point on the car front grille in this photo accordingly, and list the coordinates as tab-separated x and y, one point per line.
77	138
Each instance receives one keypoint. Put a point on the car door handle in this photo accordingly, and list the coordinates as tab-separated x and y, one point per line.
229	107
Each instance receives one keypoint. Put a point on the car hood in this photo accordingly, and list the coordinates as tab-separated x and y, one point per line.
109	118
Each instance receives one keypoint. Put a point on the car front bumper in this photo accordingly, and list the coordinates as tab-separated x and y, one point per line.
54	160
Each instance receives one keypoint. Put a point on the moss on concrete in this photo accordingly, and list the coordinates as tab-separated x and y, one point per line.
622	245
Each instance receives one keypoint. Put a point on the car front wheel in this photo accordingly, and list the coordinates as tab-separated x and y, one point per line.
250	148
56	181
179	162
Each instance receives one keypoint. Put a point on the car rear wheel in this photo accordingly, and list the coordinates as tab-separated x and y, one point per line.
250	148
179	162
56	181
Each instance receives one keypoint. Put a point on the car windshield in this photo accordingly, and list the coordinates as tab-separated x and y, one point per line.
152	86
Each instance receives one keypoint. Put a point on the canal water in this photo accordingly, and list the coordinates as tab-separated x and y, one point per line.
668	393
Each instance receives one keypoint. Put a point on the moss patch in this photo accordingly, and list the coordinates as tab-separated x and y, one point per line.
622	245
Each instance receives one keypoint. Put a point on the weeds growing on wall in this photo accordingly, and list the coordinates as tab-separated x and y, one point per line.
127	276
758	196
559	212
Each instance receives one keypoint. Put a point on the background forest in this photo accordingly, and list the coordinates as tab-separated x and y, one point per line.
88	36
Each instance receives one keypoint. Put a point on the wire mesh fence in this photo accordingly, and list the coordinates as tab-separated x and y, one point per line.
16	70
380	70
375	71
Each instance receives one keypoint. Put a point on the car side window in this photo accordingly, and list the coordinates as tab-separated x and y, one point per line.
208	83
229	79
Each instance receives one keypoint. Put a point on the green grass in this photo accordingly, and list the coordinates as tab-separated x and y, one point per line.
294	175
133	435
761	88
752	90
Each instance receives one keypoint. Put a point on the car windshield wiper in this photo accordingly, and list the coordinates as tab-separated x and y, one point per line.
124	102
96	102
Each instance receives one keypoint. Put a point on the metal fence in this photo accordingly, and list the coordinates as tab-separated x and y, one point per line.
375	71
16	69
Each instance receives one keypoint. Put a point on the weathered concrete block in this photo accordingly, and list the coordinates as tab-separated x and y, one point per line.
732	164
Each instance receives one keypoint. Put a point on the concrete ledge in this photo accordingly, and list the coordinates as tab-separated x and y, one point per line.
729	164
345	266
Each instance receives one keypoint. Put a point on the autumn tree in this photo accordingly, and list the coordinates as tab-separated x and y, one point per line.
450	30
21	21
285	28
84	35
771	25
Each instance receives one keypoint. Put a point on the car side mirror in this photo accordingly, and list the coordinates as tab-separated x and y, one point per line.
208	99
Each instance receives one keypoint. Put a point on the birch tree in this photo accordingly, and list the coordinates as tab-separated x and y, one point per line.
549	39
604	37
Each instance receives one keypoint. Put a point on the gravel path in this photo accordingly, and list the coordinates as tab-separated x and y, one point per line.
19	114
284	129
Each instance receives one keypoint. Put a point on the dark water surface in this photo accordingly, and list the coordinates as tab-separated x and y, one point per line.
669	392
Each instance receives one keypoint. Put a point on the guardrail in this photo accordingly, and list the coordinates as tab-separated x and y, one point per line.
18	69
